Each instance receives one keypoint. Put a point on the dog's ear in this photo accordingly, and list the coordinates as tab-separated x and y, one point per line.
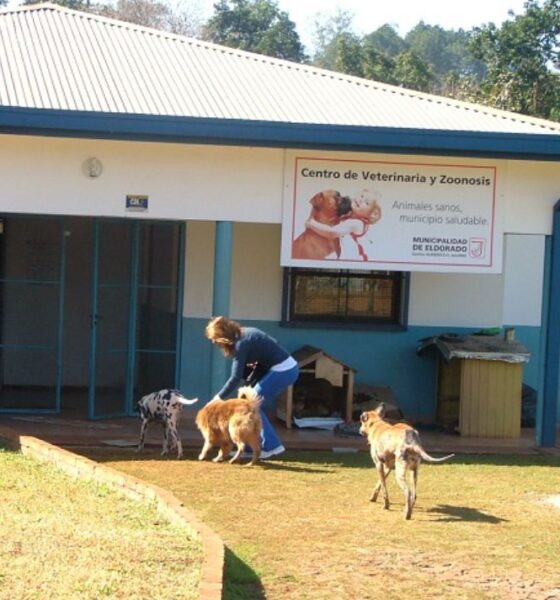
317	200
380	410
364	417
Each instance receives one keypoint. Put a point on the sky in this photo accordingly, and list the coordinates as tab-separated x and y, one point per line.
402	14
371	14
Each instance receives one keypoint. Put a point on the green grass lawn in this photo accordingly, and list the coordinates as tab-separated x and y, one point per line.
301	526
64	539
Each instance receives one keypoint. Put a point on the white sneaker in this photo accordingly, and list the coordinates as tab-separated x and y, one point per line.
268	453
264	453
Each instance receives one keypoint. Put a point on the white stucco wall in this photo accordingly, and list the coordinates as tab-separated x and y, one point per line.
190	182
199	268
450	299
256	282
45	175
523	279
531	189
201	184
256	275
512	297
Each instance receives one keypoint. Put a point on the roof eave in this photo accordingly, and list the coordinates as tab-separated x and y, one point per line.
241	132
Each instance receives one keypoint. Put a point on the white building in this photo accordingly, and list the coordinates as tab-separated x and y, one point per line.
149	181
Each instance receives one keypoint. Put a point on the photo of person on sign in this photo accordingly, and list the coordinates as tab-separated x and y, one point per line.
353	228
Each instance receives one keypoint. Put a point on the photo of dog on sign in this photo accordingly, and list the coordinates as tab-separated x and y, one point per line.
338	227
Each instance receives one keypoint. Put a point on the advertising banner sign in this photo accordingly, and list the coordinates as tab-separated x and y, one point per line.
384	215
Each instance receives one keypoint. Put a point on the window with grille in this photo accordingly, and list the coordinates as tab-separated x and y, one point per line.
341	296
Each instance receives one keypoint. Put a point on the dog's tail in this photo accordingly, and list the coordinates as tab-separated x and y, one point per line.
425	456
249	393
184	401
413	442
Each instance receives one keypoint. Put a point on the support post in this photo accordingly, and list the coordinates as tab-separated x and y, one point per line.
547	415
221	296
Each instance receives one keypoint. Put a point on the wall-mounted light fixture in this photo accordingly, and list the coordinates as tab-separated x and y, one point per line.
92	167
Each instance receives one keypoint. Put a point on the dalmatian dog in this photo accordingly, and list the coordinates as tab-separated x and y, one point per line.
165	407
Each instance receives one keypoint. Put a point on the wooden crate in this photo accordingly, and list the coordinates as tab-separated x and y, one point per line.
482	377
490	399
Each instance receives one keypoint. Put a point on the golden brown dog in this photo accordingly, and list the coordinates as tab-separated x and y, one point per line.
326	207
224	423
394	447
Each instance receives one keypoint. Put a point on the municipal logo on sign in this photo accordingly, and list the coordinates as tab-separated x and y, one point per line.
137	203
477	248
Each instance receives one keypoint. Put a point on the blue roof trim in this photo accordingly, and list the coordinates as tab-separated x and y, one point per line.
63	123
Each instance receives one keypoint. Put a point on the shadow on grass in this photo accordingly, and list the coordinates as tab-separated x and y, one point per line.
276	466
111	455
326	458
313	460
454	514
240	581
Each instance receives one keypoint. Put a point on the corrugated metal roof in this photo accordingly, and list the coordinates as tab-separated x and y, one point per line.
55	58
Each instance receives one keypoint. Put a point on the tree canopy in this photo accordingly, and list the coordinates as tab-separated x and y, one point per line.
255	25
385	40
183	19
514	67
381	55
522	58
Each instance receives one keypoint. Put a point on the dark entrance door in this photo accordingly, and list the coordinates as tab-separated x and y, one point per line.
136	319
31	313
90	313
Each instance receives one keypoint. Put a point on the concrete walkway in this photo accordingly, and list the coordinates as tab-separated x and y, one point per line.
68	431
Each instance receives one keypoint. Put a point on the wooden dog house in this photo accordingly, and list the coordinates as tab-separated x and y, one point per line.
317	363
479	384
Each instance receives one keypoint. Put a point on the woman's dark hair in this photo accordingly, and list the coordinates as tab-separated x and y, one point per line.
224	332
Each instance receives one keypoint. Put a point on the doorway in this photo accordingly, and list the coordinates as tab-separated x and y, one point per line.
90	313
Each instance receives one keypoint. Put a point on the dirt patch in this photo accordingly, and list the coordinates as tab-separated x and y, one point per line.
512	587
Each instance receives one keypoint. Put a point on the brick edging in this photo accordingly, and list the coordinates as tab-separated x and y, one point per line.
211	580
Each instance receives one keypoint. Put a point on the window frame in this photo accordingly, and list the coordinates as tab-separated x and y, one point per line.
400	312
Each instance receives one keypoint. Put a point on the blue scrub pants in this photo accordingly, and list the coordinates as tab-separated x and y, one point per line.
269	387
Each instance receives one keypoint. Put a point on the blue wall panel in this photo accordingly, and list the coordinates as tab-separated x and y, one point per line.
380	358
196	353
